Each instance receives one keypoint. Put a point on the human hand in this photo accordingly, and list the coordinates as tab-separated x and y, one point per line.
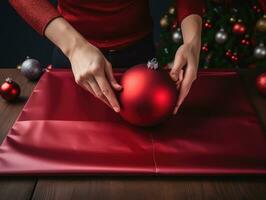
93	72
184	70
91	69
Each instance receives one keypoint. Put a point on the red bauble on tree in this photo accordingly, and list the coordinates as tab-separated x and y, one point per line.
261	83
256	9
174	25
229	53
207	24
234	58
239	28
245	42
148	97
9	90
205	48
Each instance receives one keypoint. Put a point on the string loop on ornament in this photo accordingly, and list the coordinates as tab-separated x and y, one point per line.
153	64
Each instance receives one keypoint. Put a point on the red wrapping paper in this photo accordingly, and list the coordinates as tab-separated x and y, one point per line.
64	130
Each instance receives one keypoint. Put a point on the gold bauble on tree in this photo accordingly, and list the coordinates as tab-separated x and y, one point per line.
232	19
171	10
261	24
164	22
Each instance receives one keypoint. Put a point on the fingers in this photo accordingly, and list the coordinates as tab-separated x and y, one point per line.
169	66
110	76
92	86
87	86
179	63
107	91
91	82
180	78
190	76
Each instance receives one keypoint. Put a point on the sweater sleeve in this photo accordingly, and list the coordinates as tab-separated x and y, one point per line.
37	13
185	8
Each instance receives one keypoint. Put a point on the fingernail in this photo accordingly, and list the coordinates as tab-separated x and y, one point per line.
116	85
175	111
116	109
174	78
119	86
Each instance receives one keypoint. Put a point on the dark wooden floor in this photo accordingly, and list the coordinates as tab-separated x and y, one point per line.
126	188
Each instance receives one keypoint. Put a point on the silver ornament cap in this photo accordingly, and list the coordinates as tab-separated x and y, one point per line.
153	64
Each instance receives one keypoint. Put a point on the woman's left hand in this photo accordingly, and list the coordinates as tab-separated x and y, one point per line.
185	67
184	70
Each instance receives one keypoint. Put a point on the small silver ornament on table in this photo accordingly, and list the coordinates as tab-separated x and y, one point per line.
31	69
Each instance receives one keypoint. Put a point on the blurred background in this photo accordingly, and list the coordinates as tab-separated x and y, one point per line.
234	36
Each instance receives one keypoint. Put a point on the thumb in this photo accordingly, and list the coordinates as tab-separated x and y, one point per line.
110	76
179	63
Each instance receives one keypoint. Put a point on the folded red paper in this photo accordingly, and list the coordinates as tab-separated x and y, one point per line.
64	130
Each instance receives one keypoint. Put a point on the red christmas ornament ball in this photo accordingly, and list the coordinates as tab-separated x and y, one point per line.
234	57
175	24
148	97
245	42
9	90
239	28
256	9
229	53
208	24
205	48
261	83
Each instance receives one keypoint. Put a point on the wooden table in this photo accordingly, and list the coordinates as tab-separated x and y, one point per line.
126	188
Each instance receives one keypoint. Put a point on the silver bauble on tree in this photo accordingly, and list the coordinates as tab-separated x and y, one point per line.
31	69
260	51
221	36
177	36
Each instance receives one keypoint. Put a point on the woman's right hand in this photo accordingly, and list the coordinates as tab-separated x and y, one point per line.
91	69
93	72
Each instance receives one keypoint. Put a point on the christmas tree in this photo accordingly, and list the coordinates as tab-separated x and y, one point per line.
233	36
